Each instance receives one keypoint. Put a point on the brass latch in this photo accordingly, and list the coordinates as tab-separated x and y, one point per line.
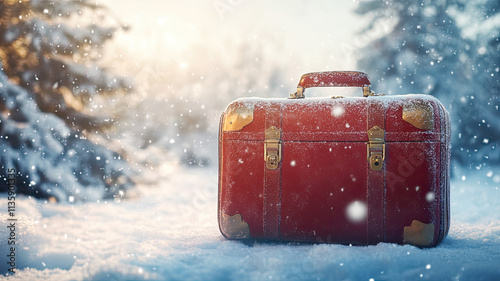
376	148
272	148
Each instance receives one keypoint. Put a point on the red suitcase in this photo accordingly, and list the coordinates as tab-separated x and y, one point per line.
353	170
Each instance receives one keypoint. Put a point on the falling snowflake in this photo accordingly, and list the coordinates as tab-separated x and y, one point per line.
356	211
430	196
338	111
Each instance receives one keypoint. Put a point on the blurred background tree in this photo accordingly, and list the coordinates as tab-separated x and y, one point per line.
449	49
50	49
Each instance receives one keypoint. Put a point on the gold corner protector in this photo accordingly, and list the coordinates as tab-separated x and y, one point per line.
419	234
420	114
234	227
237	117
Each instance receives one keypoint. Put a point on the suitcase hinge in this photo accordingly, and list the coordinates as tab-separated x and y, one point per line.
272	148
376	148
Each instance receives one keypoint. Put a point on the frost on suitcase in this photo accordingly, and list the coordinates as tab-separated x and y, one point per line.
350	170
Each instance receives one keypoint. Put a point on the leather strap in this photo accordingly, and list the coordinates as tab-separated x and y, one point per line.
272	183
376	179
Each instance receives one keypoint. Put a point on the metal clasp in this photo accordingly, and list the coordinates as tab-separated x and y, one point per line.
272	148
299	94
369	93
376	148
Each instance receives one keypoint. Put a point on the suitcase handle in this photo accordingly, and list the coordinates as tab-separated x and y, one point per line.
332	79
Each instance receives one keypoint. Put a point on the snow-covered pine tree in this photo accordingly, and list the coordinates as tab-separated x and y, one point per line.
49	159
51	49
449	49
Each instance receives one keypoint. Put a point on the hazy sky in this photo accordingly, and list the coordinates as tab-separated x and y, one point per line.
320	33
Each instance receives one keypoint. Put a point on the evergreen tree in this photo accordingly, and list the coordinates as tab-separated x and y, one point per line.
50	51
48	158
50	48
426	49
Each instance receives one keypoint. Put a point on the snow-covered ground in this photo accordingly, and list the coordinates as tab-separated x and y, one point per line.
169	231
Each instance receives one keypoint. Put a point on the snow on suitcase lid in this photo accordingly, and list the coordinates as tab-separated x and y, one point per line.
411	117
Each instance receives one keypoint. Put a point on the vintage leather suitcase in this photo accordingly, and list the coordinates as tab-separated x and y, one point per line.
350	170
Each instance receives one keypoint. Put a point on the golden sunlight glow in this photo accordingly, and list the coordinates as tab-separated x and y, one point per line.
204	37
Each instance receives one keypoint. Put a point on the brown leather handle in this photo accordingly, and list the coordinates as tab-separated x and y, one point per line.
333	79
